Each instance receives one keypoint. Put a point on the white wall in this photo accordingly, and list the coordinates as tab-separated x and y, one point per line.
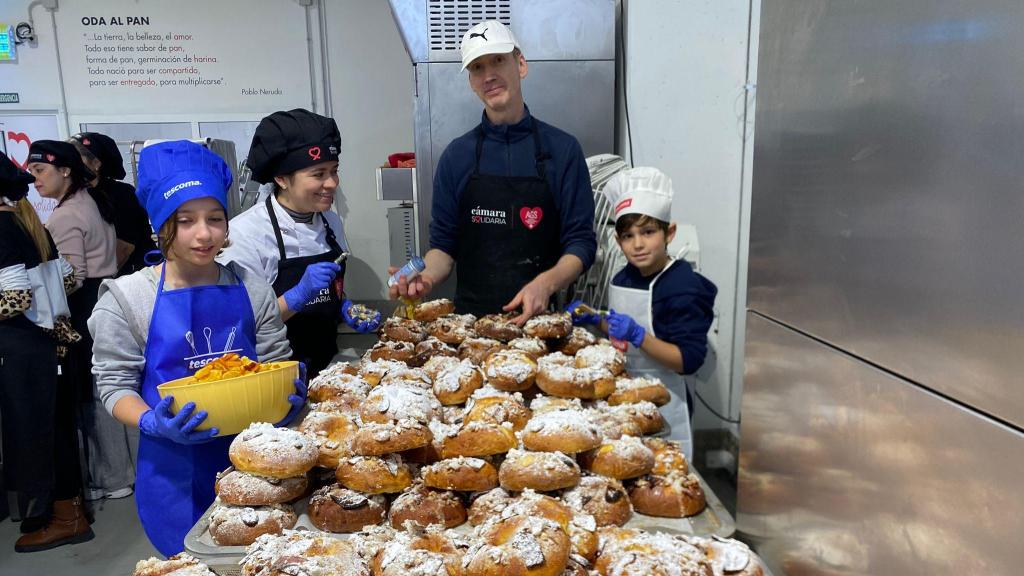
686	75
34	75
372	100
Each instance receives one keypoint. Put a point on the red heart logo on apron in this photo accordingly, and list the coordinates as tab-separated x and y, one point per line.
531	217
23	138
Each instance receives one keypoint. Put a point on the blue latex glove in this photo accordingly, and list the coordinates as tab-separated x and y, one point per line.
297	400
582	318
178	427
316	278
623	327
361	326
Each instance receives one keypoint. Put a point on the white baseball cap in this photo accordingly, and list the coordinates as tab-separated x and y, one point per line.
488	37
641	190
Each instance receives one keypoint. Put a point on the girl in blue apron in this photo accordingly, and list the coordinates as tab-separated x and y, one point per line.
294	239
197	311
660	309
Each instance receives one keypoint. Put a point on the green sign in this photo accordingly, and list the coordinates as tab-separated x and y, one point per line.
9	98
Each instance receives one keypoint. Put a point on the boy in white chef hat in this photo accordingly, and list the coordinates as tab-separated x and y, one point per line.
660	309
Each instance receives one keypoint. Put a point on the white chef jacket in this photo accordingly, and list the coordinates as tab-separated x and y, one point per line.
254	246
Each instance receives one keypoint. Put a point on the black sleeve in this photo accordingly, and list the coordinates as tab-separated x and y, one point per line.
11	249
132	222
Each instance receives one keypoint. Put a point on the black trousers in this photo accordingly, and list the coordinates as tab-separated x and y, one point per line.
40	420
28	398
67	466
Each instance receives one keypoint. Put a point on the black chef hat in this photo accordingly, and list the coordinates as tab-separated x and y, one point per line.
288	141
59	154
13	180
105	150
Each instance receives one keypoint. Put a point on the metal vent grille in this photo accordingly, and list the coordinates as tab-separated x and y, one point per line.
448	20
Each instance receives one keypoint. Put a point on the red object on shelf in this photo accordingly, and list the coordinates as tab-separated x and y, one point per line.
402	160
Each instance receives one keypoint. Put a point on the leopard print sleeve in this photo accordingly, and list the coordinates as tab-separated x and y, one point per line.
68	273
14	302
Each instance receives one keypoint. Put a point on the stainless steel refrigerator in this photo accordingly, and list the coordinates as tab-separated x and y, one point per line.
883	406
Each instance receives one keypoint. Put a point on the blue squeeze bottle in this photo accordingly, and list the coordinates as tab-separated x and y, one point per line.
410	270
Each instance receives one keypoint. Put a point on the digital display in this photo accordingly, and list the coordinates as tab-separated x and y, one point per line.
7	46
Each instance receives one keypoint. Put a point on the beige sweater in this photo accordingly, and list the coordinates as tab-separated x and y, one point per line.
84	238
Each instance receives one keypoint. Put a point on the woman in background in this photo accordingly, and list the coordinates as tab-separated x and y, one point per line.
82	226
40	445
100	154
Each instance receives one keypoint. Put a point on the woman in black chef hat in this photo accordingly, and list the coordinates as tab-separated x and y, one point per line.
40	446
82	226
295	238
101	155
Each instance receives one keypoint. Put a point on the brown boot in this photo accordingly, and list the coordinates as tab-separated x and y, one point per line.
67	526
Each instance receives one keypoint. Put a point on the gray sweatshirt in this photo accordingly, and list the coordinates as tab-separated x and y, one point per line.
120	327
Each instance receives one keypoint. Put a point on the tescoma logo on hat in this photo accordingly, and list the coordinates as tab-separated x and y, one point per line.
188	184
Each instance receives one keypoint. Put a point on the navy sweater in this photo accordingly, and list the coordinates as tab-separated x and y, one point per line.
682	307
509	151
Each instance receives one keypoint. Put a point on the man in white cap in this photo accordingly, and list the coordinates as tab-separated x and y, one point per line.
513	204
660	309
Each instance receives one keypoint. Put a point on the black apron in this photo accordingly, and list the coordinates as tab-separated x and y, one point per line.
78	363
509	232
313	332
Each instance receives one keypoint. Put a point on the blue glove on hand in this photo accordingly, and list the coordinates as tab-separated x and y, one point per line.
316	278
297	400
178	427
582	318
623	327
361	326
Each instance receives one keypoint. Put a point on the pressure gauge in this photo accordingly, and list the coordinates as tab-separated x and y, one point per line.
24	33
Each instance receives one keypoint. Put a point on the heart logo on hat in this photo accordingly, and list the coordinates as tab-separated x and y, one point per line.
50	157
531	217
86	141
314	152
19	138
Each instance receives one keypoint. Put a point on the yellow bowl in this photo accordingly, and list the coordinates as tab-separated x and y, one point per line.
234	403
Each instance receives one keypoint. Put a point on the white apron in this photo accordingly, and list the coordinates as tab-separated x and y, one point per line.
637	303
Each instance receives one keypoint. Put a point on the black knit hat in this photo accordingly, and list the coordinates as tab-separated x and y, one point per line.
288	141
13	180
105	150
59	154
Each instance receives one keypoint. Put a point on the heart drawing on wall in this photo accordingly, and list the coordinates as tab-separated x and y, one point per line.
13	151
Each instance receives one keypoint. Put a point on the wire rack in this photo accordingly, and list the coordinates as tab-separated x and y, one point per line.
592	286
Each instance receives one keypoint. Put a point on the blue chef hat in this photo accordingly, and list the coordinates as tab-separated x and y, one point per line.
172	173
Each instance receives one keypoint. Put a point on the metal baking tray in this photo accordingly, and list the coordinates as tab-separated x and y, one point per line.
223	560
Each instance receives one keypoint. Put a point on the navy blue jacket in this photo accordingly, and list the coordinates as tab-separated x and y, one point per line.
682	307
509	151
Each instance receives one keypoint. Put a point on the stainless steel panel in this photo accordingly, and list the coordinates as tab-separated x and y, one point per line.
396	184
411	18
565	30
887	205
846	469
400	235
546	30
577	97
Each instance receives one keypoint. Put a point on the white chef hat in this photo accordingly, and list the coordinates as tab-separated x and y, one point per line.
641	190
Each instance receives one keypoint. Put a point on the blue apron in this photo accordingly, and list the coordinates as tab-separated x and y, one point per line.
189	328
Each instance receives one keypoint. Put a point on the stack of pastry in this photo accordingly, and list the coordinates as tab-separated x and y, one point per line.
268	473
537	430
437	412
